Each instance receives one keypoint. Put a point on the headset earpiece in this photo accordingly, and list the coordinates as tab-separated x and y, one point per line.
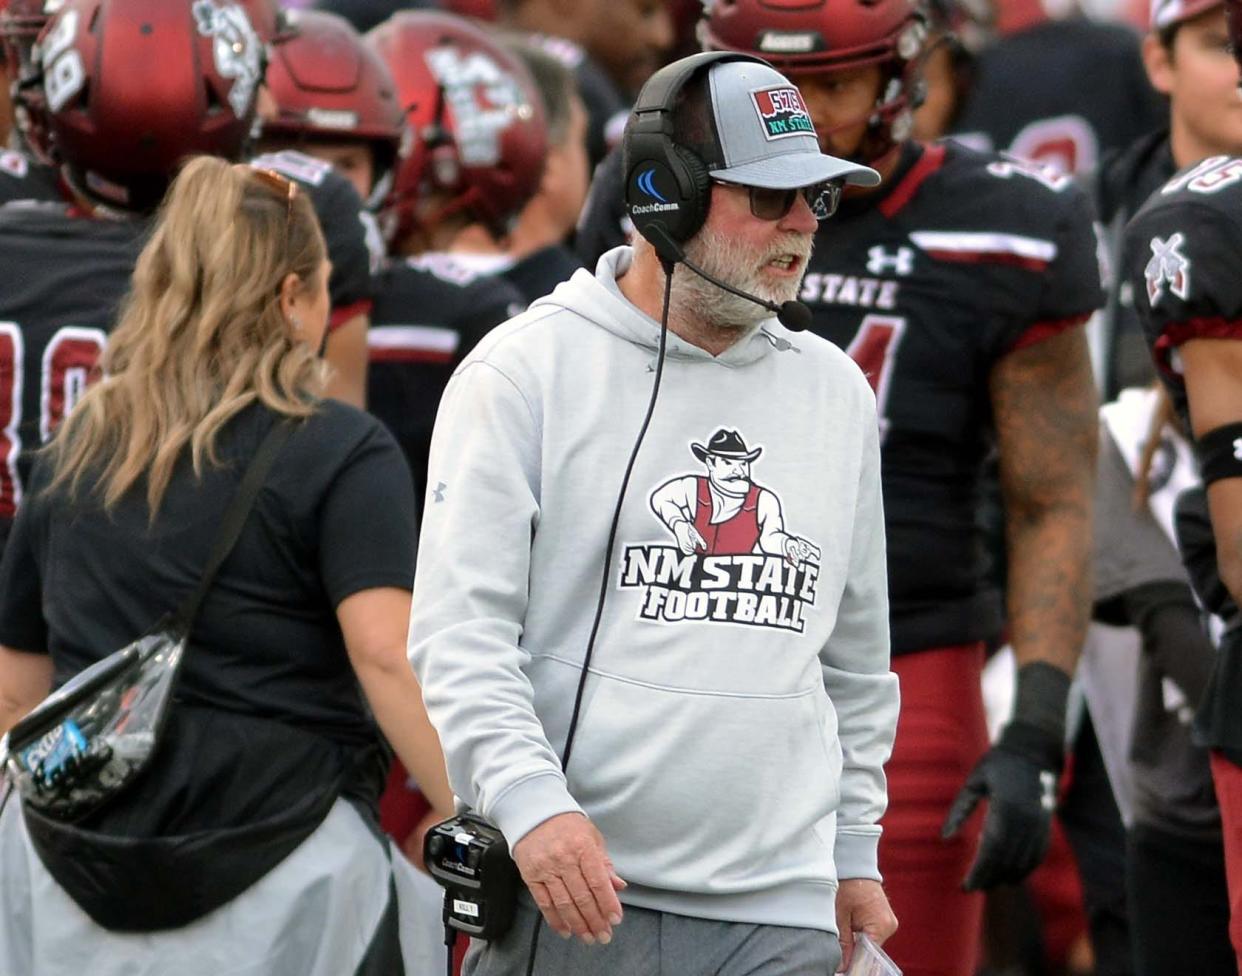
667	187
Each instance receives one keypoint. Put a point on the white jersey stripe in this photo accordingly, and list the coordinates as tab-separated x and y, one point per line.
422	338
963	242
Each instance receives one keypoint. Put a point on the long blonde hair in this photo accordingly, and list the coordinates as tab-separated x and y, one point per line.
201	335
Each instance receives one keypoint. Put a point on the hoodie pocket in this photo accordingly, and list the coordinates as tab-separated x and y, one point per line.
707	793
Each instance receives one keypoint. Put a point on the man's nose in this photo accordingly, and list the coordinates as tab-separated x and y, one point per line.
801	218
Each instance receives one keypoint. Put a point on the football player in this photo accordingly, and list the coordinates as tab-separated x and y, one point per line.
40	174
1059	89
532	255
960	286
1181	256
478	155
124	106
1187	56
331	111
333	98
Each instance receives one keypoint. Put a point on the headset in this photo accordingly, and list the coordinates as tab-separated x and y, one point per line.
667	186
667	195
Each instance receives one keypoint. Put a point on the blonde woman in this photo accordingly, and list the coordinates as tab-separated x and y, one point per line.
251	845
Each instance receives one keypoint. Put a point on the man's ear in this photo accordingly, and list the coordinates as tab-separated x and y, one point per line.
1158	60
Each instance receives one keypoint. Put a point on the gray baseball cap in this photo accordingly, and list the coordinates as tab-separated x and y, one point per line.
766	135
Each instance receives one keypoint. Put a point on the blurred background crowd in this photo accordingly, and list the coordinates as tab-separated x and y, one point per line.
450	151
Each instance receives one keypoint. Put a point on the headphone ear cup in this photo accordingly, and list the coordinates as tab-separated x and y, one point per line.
696	190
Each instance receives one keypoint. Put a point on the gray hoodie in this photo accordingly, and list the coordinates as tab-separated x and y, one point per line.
740	705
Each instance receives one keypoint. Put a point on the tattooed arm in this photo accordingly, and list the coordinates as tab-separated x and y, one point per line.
1043	399
1044	402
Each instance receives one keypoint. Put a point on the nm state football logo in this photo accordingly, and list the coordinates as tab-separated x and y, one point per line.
782	112
728	557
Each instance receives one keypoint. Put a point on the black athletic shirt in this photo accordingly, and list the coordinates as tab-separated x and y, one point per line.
336	516
353	241
1183	260
429	313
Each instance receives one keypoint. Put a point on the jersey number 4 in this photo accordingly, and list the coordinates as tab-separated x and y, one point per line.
69	362
875	350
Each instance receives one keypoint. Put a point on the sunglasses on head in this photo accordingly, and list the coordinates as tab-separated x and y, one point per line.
282	186
768	204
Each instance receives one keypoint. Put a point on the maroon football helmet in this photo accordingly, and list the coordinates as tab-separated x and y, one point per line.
805	36
327	83
476	118
21	22
134	86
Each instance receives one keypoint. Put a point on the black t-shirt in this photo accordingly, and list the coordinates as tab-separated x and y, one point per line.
1063	92
336	516
538	274
429	313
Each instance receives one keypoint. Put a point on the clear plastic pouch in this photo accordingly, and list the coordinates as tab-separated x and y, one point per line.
870	960
95	734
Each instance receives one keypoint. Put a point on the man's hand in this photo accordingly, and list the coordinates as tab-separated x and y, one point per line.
568	873
1018	777
689	541
798	551
862	906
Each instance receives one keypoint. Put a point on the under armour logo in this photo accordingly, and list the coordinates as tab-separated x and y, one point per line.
1048	782
1169	265
899	262
1237	448
438	492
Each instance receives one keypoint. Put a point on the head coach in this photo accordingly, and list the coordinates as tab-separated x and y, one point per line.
650	616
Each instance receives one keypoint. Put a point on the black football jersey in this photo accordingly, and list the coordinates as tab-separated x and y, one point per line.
961	258
64	279
1183	259
1062	92
25	179
429	313
350	233
539	273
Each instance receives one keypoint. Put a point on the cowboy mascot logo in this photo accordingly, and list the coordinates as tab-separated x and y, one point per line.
732	560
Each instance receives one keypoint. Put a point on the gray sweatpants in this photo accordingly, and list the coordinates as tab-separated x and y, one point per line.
649	943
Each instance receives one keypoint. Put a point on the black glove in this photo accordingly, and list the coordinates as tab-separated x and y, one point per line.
1018	776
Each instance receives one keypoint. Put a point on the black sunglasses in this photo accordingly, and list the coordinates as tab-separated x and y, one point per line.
768	204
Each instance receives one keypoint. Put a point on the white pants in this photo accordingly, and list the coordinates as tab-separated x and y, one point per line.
314	914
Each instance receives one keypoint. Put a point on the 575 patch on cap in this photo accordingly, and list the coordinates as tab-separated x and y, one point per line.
782	112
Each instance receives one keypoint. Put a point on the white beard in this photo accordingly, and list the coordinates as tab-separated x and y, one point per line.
725	258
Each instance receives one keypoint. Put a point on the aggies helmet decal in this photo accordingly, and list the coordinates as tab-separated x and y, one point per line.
134	86
475	115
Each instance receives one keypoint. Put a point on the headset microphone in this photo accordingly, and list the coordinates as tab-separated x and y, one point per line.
793	315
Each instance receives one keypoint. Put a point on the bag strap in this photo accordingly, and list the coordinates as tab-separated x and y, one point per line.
235	517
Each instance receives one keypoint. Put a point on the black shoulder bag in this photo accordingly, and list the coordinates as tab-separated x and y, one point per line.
95	735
